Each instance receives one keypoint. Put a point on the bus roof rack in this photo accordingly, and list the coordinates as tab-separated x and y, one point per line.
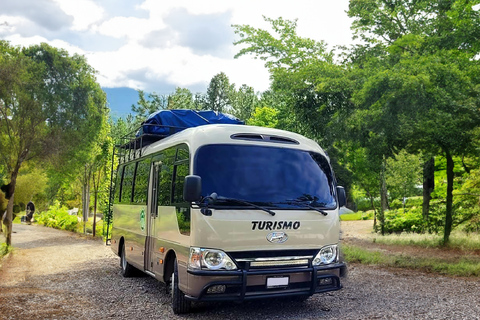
165	123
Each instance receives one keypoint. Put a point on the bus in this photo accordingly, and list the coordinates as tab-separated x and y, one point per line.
226	212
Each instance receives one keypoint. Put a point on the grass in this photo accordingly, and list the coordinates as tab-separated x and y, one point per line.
4	250
465	267
355	216
458	240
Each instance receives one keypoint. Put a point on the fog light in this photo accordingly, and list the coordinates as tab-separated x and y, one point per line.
216	289
325	281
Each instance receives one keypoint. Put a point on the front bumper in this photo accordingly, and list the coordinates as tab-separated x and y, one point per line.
249	284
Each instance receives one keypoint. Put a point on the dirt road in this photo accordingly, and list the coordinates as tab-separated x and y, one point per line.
60	275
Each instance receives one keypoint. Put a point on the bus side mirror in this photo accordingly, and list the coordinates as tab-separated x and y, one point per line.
342	196
192	188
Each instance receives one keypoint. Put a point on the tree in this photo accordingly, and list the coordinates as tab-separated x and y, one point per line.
244	102
182	98
220	93
264	117
427	79
50	107
153	102
403	175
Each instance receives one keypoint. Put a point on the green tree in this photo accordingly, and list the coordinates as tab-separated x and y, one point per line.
426	81
264	117
50	107
182	98
219	93
244	102
404	172
147	105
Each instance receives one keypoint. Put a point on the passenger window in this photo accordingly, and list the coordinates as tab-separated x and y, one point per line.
141	182
181	169
118	185
165	178
127	183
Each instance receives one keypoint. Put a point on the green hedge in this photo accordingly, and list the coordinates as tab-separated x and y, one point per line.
57	217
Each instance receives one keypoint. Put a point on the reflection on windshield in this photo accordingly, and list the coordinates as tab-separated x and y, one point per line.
266	175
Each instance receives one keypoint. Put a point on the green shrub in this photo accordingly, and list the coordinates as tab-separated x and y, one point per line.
364	204
397	221
57	217
4	249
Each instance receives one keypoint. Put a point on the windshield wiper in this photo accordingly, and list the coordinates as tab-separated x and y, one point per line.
214	198
305	203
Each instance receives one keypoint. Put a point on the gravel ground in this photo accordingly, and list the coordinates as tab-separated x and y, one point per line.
59	275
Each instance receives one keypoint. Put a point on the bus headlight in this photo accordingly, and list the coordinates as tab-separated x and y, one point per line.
211	259
326	255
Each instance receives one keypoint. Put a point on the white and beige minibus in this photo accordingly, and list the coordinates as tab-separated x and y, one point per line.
230	212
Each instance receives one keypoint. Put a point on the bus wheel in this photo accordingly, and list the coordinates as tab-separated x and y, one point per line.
179	303
127	269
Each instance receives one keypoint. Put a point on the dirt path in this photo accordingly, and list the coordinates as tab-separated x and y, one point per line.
54	274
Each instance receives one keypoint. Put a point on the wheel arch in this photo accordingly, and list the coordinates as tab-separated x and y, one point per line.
169	263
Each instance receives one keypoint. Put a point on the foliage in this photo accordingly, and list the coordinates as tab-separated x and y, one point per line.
182	98
57	217
147	105
264	117
465	267
4	249
51	109
31	185
403	175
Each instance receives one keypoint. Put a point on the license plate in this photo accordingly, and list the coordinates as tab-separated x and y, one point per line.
276	282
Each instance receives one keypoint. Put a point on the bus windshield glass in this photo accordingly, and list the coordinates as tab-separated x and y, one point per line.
267	176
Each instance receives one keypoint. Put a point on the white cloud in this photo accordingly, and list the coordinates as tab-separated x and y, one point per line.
129	27
84	12
181	43
30	41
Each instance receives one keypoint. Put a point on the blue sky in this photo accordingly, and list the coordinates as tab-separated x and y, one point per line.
158	45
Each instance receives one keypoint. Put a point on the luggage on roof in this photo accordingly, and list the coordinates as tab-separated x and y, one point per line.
167	122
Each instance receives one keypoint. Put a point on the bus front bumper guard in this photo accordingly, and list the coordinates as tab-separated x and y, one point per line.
241	291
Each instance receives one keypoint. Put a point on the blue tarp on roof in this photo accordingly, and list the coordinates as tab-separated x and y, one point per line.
166	122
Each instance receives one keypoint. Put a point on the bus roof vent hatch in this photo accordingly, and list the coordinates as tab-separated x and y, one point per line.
263	137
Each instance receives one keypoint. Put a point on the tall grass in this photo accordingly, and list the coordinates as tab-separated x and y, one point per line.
465	267
458	239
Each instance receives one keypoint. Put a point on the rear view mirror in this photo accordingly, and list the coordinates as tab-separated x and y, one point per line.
342	196
192	188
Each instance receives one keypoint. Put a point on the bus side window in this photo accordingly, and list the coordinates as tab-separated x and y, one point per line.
165	178
140	191
127	183
181	170
118	185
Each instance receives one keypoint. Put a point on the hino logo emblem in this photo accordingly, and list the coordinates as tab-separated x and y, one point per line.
277	237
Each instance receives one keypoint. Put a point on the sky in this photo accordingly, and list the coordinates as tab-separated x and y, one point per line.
158	45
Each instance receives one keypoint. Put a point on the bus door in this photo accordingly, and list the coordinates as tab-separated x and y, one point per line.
150	252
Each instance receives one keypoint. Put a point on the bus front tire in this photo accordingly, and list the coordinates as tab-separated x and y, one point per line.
179	303
127	269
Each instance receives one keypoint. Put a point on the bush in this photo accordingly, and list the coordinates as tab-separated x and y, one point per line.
397	221
57	217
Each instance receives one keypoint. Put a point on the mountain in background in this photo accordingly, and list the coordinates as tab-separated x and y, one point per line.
120	101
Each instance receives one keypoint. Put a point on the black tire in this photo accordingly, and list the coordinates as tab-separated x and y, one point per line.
127	269
179	303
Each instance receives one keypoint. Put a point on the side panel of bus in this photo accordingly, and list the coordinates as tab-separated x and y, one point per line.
130	210
170	223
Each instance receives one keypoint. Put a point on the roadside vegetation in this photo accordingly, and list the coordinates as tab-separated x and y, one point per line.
467	266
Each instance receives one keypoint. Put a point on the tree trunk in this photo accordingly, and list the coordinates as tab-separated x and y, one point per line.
7	221
448	213
428	187
383	197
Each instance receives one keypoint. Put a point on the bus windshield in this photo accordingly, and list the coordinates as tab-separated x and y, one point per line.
268	176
